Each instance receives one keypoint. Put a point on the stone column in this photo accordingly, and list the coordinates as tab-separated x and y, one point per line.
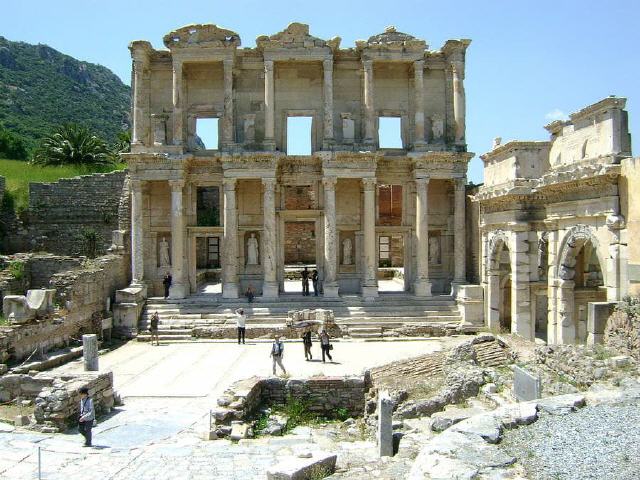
370	285
330	282
422	286
178	100
227	120
269	106
493	301
418	85
385	424
369	114
178	287
457	71
459	235
140	100
565	305
90	352
270	283
230	241
137	234
328	103
521	320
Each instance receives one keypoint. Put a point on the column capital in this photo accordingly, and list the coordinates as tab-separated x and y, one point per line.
227	62
269	183
229	183
369	183
422	181
268	65
176	63
457	68
327	64
329	183
136	185
418	66
459	183
367	64
177	184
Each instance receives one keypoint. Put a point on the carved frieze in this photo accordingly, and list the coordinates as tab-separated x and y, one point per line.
201	35
296	35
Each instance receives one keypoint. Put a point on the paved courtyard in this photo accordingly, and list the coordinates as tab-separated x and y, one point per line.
168	391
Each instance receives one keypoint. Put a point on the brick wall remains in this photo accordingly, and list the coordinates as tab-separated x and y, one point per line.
299	242
60	211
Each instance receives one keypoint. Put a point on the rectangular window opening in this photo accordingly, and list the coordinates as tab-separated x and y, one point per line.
207	134
390	132
299	135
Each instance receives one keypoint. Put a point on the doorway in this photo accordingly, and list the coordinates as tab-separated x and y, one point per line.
300	242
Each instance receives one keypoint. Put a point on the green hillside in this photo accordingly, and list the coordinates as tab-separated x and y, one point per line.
41	88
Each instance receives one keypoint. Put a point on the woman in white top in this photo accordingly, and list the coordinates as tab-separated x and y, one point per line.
241	322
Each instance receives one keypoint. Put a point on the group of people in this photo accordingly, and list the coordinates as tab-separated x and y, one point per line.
306	276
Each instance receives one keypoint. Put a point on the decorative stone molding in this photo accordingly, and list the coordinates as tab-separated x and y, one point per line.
201	35
296	35
392	40
573	241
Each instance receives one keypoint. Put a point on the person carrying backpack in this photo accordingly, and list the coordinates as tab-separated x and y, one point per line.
277	352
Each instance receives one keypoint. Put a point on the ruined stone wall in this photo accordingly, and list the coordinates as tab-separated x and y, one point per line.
300	242
472	226
59	212
630	209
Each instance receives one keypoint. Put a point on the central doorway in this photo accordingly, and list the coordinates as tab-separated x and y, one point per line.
300	241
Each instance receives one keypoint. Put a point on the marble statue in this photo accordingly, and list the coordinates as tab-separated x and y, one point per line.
434	250
165	259
252	250
437	128
346	252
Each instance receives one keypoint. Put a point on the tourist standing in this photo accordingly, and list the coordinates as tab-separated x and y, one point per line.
249	294
314	281
87	416
167	284
277	352
325	345
153	327
307	342
241	322
305	282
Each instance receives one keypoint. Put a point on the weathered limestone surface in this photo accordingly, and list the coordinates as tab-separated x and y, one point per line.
385	430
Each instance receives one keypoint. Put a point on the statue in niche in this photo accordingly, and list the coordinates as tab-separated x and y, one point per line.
437	128
252	250
346	252
165	259
434	250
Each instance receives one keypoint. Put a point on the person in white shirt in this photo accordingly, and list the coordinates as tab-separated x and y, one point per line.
87	416
241	322
277	352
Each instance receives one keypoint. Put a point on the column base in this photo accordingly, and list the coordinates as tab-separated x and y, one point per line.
140	284
330	290
422	288
370	292
455	286
269	145
270	290
177	291
230	290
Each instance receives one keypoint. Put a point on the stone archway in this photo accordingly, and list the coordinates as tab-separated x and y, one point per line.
499	314
579	280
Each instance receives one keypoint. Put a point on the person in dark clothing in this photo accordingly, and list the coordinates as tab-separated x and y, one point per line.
87	416
325	345
167	284
250	294
306	341
305	282
153	327
314	281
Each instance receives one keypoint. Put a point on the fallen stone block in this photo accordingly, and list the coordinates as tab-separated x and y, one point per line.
320	465
239	430
21	421
561	404
511	416
485	426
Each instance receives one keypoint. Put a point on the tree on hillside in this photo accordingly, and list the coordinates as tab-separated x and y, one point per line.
12	145
72	144
122	145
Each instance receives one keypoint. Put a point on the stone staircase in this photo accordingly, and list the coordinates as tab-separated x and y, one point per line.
363	319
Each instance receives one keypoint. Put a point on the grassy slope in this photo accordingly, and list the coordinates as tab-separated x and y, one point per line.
18	174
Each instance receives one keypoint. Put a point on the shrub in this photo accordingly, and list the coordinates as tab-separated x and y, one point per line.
12	145
16	269
72	144
90	240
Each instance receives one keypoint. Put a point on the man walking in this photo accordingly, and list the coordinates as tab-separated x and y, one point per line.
167	284
306	341
314	281
305	282
325	345
87	416
153	327
277	352
241	322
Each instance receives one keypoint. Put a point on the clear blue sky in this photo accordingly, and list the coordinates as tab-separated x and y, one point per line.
530	61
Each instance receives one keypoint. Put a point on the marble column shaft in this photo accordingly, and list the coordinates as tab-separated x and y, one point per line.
269	99
369	121
178	94
330	236
369	227
328	100
177	239
422	286
140	101
230	241
418	71
459	234
227	121
137	234
457	70
270	285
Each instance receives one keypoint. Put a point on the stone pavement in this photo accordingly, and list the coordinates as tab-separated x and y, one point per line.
168	391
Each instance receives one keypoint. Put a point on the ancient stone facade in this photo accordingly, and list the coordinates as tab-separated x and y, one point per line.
553	225
252	93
